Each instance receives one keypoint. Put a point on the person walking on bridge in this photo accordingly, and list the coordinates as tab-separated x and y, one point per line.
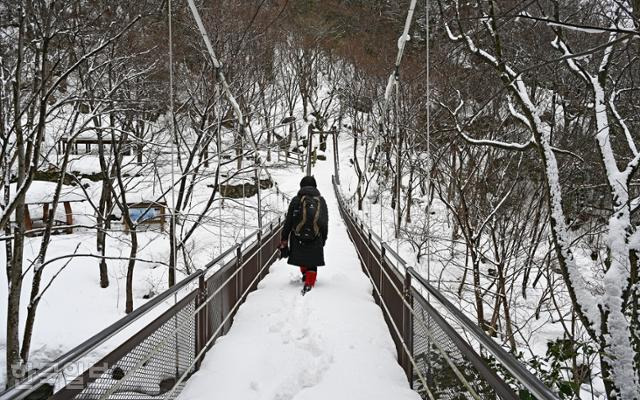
305	231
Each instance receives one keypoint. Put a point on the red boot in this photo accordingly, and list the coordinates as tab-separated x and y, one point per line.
309	282
311	278
303	271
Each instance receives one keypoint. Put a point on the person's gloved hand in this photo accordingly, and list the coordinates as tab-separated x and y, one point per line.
284	249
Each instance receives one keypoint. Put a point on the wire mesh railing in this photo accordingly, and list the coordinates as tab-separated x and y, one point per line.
156	361
438	361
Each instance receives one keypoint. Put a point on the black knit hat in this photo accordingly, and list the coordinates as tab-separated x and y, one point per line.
308	181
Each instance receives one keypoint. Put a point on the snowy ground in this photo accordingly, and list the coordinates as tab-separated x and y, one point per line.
331	343
74	307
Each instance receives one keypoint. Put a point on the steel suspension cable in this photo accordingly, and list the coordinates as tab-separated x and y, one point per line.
225	86
402	42
172	237
219	146
405	33
428	210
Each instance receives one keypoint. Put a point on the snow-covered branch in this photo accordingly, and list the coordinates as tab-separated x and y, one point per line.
483	142
622	122
578	27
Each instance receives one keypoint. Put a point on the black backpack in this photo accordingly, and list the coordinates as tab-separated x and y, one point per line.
307	229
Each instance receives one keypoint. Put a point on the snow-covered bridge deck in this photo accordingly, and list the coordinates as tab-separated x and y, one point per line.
332	343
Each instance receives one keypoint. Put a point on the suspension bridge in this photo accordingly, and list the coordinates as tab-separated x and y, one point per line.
280	345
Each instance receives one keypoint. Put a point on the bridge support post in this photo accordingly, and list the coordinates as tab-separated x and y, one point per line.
380	273
407	327
336	161
309	149
259	263
369	253
238	277
201	318
259	195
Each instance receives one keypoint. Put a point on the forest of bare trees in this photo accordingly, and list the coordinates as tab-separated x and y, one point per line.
512	172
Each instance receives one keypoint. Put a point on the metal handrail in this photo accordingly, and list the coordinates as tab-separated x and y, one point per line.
220	327
185	323
396	330
505	389
368	243
28	386
507	360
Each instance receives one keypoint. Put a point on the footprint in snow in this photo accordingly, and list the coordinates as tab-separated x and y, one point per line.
310	371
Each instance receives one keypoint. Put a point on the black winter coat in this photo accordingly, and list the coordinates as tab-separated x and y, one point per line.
306	254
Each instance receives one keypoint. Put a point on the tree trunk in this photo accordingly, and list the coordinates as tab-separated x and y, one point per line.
356	164
104	223
132	263
38	268
398	187
172	250
139	132
336	167
267	124
14	267
124	209
9	261
635	308
238	146
14	277
289	139
502	293
492	328
269	138
104	209
409	195
477	289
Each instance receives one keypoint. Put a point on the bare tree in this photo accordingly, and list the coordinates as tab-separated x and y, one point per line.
602	310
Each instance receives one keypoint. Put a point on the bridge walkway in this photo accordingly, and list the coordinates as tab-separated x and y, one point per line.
332	343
